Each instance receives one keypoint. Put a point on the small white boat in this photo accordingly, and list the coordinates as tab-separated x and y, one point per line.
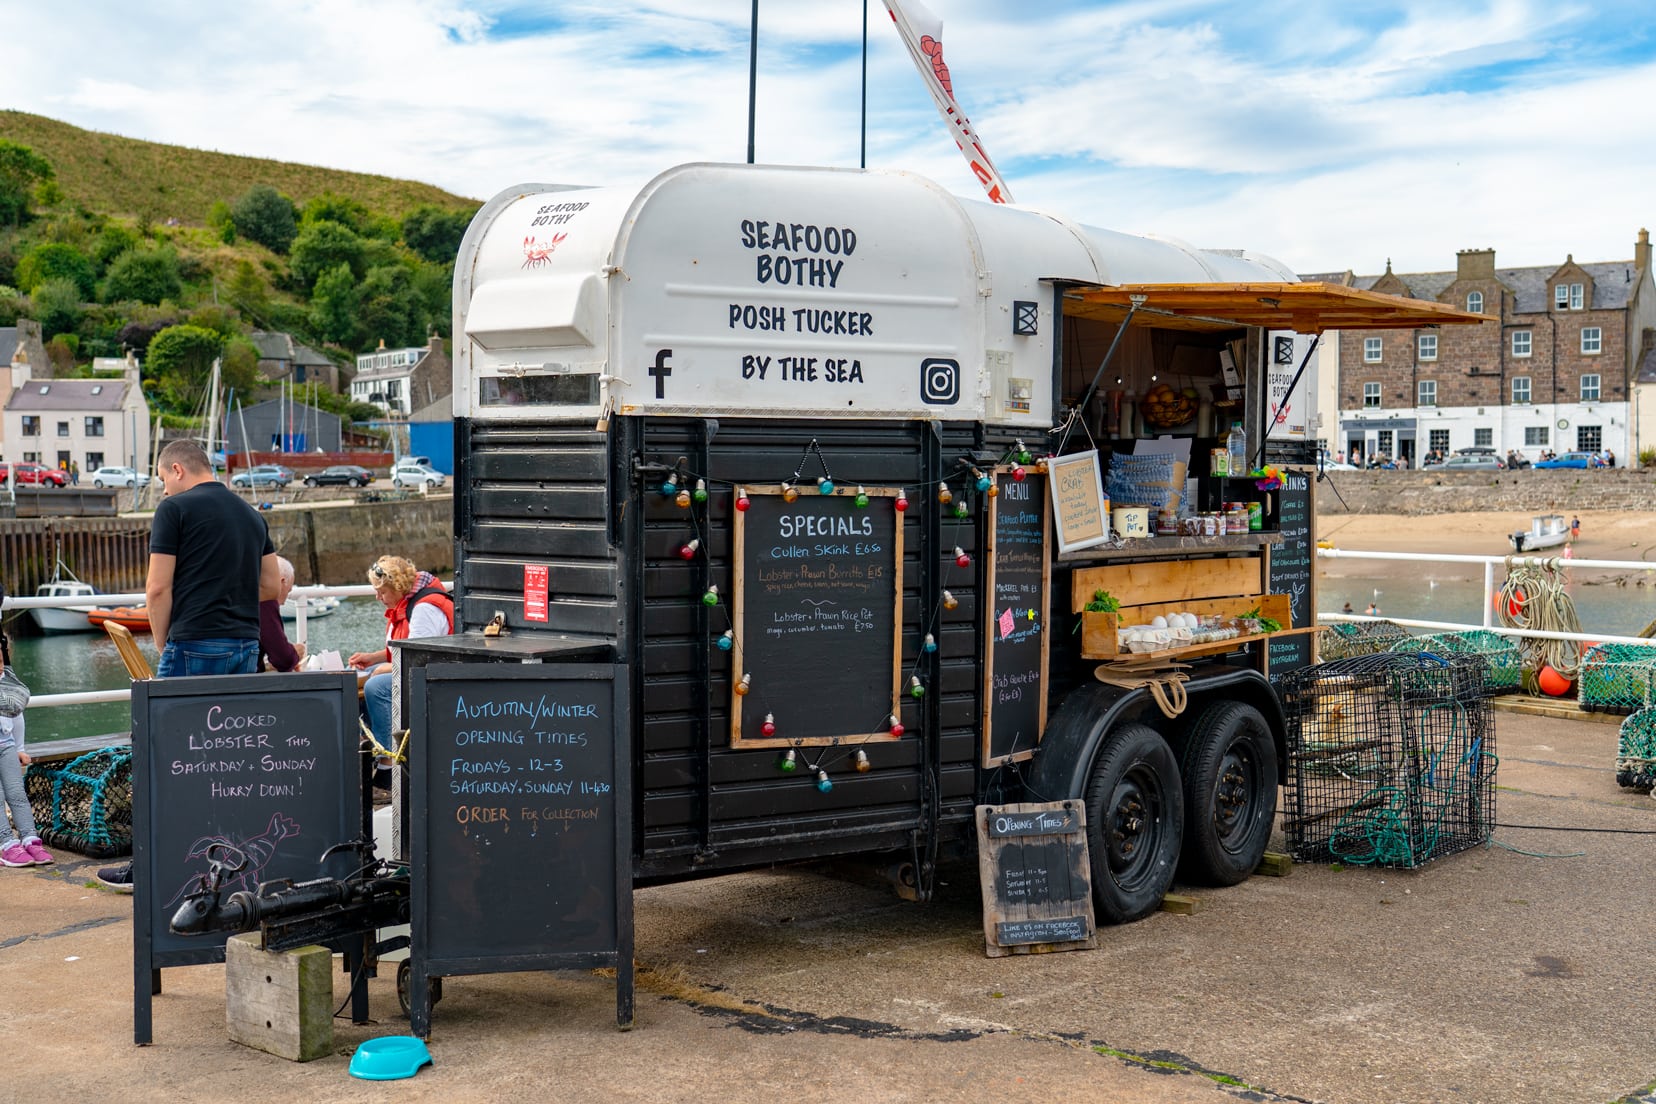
1545	531
64	619
314	608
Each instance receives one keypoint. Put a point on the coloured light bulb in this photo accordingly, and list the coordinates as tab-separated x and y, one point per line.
902	501
1023	457
862	497
683	499
769	727
983	481
915	689
727	641
824	783
789	492
688	551
788	761
860	761
896	726
944	495
929	644
742	501
711	598
670	484
961	558
960	510
825	486
744	686
950	601
700	494
994	492
1041	465
1018	473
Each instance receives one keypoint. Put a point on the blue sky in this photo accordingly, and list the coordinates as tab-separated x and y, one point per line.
1327	134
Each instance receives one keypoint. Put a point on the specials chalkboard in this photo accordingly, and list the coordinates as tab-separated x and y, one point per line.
1293	571
1035	877
257	773
520	824
1015	630
817	617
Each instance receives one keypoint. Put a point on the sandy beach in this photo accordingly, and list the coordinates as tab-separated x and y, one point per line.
1605	534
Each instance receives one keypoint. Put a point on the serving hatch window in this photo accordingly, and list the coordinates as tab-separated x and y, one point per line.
538	390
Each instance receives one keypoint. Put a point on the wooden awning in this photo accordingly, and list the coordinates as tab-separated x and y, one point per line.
1303	308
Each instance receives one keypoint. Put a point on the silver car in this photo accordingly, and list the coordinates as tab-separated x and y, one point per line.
119	477
1470	463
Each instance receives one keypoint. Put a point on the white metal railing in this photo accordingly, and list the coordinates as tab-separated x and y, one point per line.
1490	590
302	597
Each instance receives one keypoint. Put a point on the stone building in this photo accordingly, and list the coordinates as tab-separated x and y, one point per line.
1553	369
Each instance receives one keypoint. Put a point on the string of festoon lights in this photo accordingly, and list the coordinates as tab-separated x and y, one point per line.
688	490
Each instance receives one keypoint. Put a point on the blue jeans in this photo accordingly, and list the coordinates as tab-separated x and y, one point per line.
376	699
220	656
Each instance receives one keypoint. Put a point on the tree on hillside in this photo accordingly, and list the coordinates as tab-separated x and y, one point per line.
266	216
180	361
21	170
143	275
56	305
56	261
329	207
322	246
391	308
434	233
334	306
113	240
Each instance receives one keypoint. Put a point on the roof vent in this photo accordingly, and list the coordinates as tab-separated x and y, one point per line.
45	387
97	389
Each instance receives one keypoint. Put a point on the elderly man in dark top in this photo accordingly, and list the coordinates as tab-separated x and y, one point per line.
276	653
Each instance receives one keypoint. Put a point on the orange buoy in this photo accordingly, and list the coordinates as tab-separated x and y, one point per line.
1552	683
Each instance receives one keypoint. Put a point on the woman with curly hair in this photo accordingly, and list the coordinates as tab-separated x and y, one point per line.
416	605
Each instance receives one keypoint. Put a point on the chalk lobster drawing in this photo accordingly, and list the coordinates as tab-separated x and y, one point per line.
537	253
254	854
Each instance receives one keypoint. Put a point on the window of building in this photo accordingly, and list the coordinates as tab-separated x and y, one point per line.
31	457
1535	435
1371	350
1426	393
1575	296
1427	344
31	425
1592	339
1474	302
1520	343
63	429
1371	394
94	428
1590	388
1520	389
1561	296
1383	442
94	461
1483	438
1589	438
1437	440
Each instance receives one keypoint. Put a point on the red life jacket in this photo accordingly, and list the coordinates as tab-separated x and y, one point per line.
433	595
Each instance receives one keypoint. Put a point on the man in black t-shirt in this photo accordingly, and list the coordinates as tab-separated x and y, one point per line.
211	563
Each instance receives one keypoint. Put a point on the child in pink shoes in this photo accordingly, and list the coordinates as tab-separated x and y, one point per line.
19	846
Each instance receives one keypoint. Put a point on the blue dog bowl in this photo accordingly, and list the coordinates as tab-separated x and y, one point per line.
390	1058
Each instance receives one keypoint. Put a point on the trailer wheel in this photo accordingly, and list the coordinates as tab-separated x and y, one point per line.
1230	792
1135	819
405	987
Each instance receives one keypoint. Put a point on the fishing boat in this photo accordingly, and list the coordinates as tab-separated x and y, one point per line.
134	618
63	619
1545	531
314	608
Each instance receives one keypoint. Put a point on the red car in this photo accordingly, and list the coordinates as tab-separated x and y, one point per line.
36	473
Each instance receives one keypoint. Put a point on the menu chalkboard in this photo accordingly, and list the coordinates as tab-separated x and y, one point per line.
1015	646
520	824
1035	877
259	772
1293	571
817	616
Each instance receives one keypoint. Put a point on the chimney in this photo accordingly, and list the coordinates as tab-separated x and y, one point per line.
1475	264
1641	251
131	371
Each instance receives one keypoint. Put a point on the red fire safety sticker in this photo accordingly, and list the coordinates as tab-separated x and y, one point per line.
534	592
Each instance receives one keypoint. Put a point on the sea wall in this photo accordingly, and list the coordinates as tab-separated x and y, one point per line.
333	543
1416	493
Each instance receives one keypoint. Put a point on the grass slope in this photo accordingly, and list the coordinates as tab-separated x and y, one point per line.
154	182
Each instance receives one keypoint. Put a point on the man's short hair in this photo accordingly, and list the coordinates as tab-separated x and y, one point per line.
187	455
284	567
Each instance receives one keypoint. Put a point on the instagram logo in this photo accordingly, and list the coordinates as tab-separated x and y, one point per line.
939	381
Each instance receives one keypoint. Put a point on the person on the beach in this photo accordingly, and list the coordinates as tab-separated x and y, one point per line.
1348	609
1372	611
1575	528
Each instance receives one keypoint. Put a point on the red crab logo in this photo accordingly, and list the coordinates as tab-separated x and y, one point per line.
933	48
536	253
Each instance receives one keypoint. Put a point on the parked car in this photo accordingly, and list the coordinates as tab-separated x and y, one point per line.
263	475
340	475
1461	462
39	474
1571	460
119	477
408	473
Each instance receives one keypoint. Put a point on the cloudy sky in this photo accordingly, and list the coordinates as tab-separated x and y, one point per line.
1329	134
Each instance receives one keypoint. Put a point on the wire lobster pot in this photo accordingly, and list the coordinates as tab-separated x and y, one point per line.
1391	759
1617	678
1348	639
1505	673
1636	752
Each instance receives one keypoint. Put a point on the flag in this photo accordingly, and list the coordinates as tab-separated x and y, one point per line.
923	35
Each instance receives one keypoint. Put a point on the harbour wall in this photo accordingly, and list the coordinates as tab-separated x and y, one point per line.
1415	493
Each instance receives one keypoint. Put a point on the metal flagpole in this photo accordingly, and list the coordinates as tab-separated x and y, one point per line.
862	160
753	75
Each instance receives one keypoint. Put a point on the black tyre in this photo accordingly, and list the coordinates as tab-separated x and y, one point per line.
312	483
355	483
1135	821
98	483
1230	794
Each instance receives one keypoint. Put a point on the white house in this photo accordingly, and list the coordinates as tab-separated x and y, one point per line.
85	422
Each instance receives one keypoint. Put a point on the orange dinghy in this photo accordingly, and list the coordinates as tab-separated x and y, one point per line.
134	618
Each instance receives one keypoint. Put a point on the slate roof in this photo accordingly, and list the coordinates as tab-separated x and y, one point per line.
8	343
281	346
1612	284
72	396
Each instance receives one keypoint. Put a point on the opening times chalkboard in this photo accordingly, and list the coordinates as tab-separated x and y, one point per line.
1035	878
520	824
1293	571
1015	630
817	616
257	772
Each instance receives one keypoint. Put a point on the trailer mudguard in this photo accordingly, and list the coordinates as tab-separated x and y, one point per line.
1089	713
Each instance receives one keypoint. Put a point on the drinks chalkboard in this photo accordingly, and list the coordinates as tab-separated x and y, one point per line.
1293	571
520	824
817	617
1036	880
1015	646
259	773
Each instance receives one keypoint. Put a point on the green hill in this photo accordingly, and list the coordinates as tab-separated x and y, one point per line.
126	177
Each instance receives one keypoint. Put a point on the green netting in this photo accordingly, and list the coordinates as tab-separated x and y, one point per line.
86	804
1349	639
1636	751
1618	678
1505	674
